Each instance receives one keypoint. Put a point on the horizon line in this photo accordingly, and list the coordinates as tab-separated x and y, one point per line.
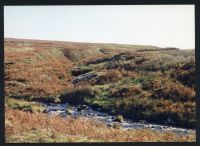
112	43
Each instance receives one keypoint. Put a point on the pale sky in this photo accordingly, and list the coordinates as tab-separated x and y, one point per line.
158	25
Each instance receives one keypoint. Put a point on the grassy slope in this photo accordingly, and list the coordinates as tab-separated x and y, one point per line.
41	70
156	85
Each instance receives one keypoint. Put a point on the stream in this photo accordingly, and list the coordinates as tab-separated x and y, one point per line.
66	109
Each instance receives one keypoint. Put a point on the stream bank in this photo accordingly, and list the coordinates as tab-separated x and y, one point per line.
66	109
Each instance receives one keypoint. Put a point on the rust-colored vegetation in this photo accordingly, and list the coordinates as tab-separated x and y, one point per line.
37	72
138	82
29	127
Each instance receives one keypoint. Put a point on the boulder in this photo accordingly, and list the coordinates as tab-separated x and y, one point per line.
119	118
84	77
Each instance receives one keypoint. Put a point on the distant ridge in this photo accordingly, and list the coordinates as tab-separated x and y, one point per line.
57	41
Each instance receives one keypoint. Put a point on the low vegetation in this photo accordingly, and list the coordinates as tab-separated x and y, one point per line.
133	81
39	128
27	106
156	90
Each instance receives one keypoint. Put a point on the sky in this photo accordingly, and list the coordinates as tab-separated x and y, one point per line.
157	25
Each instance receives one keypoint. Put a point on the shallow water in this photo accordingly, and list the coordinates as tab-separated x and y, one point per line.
60	109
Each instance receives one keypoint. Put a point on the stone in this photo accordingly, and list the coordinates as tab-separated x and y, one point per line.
84	77
57	100
119	118
69	112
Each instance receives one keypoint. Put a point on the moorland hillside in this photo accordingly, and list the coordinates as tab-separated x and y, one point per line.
136	81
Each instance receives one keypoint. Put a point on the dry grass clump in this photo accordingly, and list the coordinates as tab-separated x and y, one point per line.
23	127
